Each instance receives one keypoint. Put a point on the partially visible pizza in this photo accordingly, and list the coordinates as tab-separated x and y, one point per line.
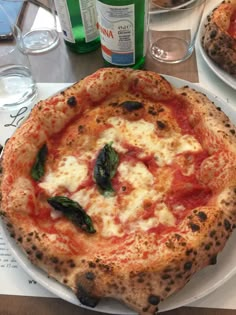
169	3
121	186
219	36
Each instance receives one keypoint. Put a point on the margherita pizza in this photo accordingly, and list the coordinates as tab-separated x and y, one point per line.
122	186
219	38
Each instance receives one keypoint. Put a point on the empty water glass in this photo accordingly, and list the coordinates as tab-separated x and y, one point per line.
39	33
17	86
173	29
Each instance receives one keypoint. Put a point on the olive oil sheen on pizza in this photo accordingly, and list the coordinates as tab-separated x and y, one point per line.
122	26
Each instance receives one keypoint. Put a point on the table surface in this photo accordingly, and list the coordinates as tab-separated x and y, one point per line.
62	66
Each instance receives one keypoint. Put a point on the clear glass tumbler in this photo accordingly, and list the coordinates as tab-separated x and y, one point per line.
17	86
173	30
37	22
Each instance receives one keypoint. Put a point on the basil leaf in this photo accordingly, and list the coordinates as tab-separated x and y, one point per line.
105	169
73	211
37	170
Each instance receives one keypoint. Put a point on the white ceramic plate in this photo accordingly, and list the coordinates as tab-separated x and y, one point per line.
203	283
154	8
223	75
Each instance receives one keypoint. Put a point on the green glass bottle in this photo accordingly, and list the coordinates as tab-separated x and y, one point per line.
78	19
123	29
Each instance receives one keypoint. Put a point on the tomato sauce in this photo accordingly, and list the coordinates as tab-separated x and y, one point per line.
45	225
149	210
162	229
179	112
150	163
186	193
232	25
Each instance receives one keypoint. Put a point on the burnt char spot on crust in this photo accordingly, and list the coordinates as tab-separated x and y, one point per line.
85	289
227	225
194	227
12	234
161	125
202	216
39	255
90	275
152	111
188	265
213	260
54	260
212	233
154	299
165	276
92	264
20	239
85	297
131	105
189	252
197	219
72	102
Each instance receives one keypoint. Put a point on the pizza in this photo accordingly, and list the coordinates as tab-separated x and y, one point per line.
121	186
219	36
168	3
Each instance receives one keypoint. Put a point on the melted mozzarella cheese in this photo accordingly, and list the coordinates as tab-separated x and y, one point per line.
142	134
142	180
138	175
128	208
111	135
165	216
69	175
162	216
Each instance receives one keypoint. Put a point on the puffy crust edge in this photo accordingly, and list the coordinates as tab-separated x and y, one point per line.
217	43
218	137
216	130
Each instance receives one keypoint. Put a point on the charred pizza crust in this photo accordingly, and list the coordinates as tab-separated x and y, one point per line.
219	45
142	270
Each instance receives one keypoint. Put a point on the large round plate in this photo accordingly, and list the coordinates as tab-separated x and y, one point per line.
154	8
203	283
223	75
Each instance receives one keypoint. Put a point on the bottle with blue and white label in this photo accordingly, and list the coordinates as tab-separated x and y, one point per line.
123	25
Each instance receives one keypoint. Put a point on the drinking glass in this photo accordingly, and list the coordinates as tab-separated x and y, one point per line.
173	30
37	37
17	86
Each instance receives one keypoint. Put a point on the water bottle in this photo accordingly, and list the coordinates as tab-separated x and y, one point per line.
123	27
78	19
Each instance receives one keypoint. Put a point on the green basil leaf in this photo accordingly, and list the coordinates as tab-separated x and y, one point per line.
105	169
37	170
73	211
